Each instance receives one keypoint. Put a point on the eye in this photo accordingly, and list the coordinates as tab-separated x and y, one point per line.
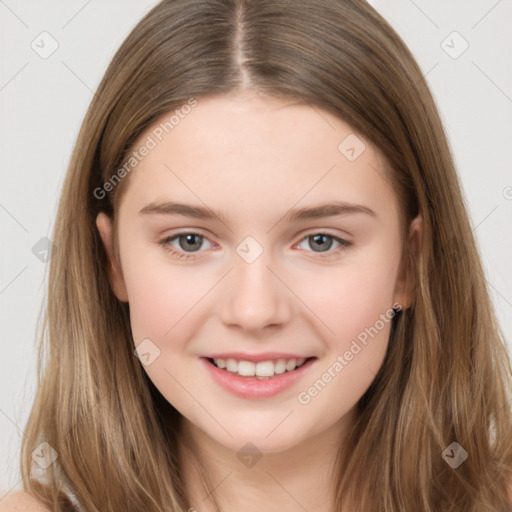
190	243
324	242
186	241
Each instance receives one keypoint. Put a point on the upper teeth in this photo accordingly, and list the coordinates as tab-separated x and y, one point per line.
261	369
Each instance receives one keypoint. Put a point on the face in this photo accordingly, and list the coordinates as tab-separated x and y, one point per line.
265	280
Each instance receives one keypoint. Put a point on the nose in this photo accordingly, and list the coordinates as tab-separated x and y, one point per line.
255	296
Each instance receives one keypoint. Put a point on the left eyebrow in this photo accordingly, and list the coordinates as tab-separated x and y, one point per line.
297	214
327	210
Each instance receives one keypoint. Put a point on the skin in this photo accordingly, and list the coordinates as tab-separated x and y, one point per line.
254	158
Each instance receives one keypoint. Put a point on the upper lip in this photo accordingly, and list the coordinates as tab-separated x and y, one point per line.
256	358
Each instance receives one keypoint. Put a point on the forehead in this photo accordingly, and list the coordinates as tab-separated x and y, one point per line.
246	153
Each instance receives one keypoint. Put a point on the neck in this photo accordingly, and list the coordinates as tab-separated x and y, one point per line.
300	478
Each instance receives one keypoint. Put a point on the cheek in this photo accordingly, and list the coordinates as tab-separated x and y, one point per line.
352	296
355	309
160	294
164	304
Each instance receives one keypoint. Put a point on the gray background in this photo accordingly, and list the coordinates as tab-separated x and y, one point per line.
43	101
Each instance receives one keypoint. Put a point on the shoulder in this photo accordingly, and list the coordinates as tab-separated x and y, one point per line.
21	501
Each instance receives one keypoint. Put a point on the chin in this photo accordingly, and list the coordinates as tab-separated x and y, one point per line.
258	443
270	436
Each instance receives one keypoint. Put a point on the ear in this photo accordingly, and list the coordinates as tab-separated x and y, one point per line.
405	283
115	274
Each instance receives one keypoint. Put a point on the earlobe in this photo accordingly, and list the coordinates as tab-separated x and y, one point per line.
104	225
406	283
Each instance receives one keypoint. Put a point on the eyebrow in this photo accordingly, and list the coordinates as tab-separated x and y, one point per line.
199	212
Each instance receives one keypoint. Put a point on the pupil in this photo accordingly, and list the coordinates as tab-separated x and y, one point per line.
316	237
189	237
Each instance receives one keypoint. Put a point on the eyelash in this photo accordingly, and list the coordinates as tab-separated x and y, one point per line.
165	243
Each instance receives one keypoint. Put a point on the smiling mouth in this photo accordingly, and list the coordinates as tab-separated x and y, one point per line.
264	370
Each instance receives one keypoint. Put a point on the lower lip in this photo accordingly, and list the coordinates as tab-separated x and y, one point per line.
249	387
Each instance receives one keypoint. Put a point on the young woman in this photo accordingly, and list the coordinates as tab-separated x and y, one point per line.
204	351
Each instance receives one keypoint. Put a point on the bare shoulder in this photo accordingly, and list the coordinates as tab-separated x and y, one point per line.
21	501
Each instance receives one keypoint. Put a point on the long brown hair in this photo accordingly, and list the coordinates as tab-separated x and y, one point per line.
447	374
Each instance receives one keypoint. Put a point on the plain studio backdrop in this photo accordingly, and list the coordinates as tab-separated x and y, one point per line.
53	57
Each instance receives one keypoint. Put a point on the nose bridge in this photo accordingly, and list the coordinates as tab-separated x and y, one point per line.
254	297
